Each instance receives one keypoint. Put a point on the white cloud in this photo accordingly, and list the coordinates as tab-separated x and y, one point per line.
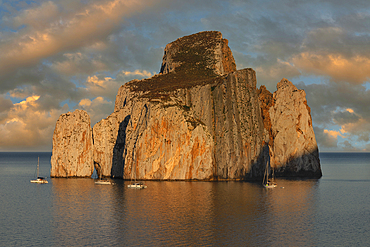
26	127
137	72
98	108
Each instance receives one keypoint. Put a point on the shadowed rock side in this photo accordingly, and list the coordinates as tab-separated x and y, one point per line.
200	119
72	154
294	151
230	109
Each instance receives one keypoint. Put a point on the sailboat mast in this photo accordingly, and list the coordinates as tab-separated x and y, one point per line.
38	164
135	173
265	174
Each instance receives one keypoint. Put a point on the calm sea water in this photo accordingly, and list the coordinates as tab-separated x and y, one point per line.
331	211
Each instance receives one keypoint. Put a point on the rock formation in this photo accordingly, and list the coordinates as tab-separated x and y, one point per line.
72	146
294	150
201	119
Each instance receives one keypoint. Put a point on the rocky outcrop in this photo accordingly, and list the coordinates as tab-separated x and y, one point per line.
200	119
72	146
211	131
191	122
203	52
266	99
294	150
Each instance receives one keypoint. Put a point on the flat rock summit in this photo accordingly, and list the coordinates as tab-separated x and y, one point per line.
198	119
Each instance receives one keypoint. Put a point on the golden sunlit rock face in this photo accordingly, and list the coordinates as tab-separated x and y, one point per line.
199	119
72	146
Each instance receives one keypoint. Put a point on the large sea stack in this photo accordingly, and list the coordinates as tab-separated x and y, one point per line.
198	119
72	146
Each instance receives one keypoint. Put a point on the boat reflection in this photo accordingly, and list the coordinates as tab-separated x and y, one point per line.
184	213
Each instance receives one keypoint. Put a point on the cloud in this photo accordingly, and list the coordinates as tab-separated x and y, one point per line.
39	17
269	75
333	133
137	72
328	101
107	87
360	129
350	110
5	104
345	117
324	139
353	69
338	53
98	108
99	85
79	63
65	32
347	146
76	54
338	105
28	128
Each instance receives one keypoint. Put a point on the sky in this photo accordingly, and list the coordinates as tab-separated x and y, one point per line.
58	56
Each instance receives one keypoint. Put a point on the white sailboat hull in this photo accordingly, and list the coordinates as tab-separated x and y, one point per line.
270	185
39	181
137	186
102	182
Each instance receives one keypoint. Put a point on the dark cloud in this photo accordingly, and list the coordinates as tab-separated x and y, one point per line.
341	106
347	146
364	136
5	104
326	98
325	140
342	118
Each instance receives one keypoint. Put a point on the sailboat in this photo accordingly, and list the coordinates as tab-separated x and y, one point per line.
136	185
267	183
103	181
39	180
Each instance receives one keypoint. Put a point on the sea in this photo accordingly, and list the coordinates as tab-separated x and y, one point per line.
331	211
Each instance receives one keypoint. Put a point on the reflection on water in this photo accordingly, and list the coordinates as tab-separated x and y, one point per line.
83	213
292	211
183	213
332	211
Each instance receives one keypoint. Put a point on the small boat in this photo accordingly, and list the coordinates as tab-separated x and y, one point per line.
137	185
103	181
267	182
39	180
270	184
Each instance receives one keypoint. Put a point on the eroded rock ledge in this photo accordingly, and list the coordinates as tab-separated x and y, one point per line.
199	119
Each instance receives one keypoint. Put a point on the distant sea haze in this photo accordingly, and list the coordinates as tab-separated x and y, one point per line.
331	211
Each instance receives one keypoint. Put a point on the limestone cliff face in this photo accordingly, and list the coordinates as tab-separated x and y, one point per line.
72	146
199	119
294	149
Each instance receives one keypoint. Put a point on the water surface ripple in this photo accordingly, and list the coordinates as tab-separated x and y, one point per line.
332	211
